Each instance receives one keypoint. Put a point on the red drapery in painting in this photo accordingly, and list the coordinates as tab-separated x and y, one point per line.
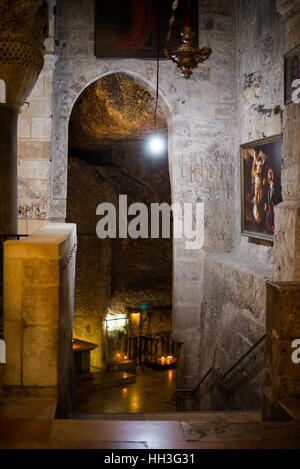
142	25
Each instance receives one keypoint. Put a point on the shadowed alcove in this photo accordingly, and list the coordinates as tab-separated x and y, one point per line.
123	294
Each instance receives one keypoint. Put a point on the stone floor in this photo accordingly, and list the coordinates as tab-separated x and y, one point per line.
208	431
29	423
152	392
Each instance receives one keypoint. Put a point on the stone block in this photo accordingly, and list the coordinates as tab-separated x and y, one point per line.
40	356
38	107
34	150
34	208
38	189
22	187
40	271
24	127
58	209
48	83
41	127
13	334
12	286
40	306
34	225
38	89
29	169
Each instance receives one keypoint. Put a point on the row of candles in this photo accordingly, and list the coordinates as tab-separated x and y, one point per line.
164	360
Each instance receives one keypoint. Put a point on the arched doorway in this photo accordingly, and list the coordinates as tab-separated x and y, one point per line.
123	299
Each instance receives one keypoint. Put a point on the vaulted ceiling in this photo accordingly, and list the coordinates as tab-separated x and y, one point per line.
113	110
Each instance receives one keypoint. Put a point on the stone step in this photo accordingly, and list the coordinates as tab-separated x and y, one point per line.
204	417
118	434
104	380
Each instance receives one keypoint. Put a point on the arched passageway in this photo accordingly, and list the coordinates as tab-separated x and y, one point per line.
123	298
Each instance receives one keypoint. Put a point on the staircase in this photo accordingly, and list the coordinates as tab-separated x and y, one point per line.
222	387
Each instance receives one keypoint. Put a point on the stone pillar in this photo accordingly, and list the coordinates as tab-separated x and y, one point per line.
282	381
21	60
39	277
286	266
8	161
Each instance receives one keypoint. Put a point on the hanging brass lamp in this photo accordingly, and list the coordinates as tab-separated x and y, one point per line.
187	55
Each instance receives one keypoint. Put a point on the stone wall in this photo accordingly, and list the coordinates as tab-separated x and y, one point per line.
94	257
233	317
34	144
112	275
209	116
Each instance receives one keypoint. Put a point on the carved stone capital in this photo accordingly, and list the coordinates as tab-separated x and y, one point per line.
22	31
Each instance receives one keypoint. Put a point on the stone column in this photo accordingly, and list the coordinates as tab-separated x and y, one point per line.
39	277
21	60
286	266
8	161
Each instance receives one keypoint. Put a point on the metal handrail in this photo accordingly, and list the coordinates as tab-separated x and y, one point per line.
191	392
244	356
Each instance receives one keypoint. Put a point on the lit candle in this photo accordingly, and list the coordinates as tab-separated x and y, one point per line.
187	15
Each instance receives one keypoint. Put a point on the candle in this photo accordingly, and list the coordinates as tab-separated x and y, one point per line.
187	14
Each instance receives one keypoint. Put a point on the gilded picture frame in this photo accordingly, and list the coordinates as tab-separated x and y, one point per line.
260	186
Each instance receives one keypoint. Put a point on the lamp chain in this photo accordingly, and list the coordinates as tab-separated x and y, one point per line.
157	66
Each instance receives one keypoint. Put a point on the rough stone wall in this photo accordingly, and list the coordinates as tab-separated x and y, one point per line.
150	322
233	318
34	144
94	256
112	275
287	235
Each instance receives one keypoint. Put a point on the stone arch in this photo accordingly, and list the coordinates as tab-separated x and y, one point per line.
63	105
186	264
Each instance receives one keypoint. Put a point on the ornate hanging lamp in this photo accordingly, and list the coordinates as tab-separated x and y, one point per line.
187	55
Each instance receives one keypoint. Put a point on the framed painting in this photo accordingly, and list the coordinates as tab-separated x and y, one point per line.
292	73
260	186
133	28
